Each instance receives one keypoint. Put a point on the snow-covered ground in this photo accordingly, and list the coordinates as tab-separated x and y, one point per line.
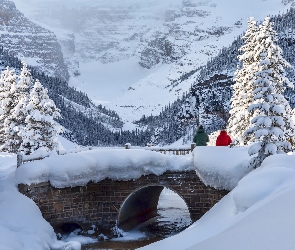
66	144
257	214
22	226
212	164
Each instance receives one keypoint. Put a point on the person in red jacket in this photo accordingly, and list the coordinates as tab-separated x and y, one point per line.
223	139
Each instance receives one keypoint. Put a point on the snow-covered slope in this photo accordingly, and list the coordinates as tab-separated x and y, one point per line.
84	122
257	214
21	223
30	42
106	41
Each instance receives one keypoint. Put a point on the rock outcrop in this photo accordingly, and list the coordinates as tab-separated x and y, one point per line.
30	42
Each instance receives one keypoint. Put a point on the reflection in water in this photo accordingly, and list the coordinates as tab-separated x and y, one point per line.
173	218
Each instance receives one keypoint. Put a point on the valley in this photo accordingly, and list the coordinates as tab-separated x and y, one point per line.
150	44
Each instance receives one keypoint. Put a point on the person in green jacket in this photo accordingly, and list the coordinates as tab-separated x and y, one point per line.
201	138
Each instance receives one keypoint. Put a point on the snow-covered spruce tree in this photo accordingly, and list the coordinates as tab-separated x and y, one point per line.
265	44
155	138
272	124
242	98
41	129
15	111
7	79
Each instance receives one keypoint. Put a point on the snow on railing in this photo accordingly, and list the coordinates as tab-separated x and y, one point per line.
74	150
41	154
173	151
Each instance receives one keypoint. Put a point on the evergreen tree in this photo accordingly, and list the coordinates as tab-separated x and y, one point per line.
15	111
271	118
239	120
7	79
41	129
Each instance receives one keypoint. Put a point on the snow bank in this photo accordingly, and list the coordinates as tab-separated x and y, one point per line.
257	214
66	144
270	227
275	174
221	167
98	164
21	223
74	237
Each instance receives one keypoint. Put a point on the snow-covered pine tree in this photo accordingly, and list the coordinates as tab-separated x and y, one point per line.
41	129
7	79
280	81
155	138
272	124
242	98
14	121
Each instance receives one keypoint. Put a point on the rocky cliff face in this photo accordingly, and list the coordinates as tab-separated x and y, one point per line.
30	42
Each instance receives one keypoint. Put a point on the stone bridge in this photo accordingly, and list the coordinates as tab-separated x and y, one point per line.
123	203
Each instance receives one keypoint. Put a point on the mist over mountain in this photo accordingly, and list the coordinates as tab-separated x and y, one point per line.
130	54
140	59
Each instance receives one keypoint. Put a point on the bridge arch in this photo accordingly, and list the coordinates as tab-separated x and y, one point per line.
142	205
107	202
139	206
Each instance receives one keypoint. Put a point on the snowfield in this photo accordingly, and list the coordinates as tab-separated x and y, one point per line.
22	226
256	214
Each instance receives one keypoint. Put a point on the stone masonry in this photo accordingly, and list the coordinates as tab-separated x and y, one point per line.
123	203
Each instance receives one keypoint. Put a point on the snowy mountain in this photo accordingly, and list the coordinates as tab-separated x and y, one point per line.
131	54
211	93
136	58
84	122
30	42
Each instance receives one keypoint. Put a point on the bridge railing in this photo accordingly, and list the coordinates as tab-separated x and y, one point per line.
21	159
173	151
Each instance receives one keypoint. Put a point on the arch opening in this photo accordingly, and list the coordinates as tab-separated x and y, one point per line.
174	215
154	201
139	207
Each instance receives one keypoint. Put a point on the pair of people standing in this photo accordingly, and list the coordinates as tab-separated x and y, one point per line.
201	138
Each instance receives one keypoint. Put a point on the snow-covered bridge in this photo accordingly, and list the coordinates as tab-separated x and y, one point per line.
103	186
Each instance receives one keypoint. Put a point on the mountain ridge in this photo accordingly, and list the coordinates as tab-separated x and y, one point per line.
169	39
36	45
